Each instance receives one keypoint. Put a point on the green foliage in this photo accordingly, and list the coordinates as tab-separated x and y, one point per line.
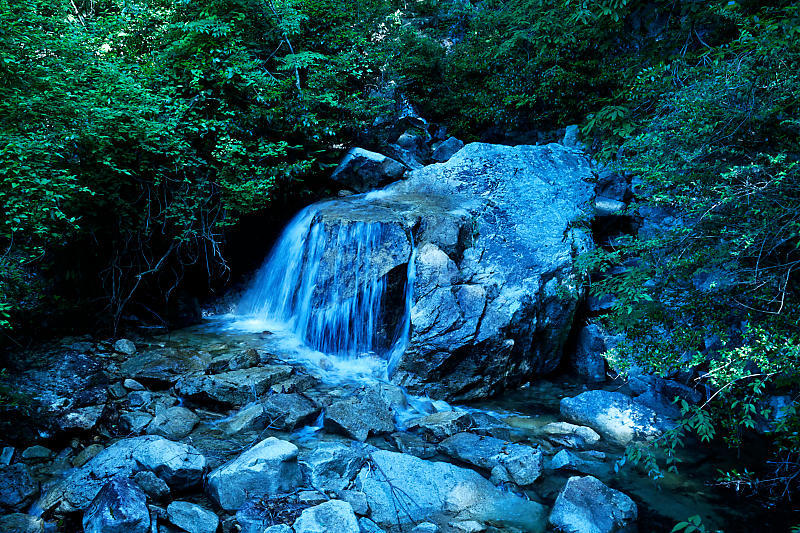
133	133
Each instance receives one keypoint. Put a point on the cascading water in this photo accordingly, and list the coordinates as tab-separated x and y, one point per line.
322	280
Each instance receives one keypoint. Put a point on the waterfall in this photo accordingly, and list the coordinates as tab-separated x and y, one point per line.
323	281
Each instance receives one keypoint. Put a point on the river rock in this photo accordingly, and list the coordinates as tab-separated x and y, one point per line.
134	422
586	505
588	361
334	515
523	463
440	425
425	527
402	489
192	518
360	416
368	526
614	415
332	465
268	468
21	523
119	507
152	485
86	454
362	170
237	387
570	435
289	411
173	423
125	346
447	149
567	460
163	366
251	417
179	465
17	487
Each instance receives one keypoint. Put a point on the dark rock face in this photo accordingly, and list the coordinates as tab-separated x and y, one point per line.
70	392
588	361
362	170
586	505
17	487
120	507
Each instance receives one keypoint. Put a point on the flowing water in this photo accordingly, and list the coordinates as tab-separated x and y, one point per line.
322	300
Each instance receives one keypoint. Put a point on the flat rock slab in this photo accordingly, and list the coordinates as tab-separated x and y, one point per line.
523	463
164	366
237	387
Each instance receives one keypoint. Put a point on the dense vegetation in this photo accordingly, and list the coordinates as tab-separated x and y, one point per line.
135	133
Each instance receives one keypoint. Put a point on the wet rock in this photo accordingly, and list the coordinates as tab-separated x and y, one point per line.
266	469
120	507
21	523
173	423
280	528
152	485
179	465
17	487
85	455
402	489
251	417
523	463
360	416
246	359
295	383
237	387
446	149
37	453
588	361
332	465
362	170
586	505
334	515
566	460
614	416
414	445
289	411
134	422
570	435
425	527
124	346
163	366
192	518
439	426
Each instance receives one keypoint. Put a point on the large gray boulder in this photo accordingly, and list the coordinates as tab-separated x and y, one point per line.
268	468
402	489
119	507
586	505
362	170
615	416
334	515
495	308
179	465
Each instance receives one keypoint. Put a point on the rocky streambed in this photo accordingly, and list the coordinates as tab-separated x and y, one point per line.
210	429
